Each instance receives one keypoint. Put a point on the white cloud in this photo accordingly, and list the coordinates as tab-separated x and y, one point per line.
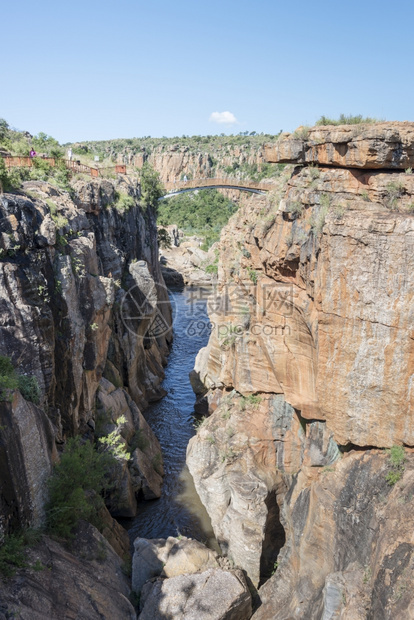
223	118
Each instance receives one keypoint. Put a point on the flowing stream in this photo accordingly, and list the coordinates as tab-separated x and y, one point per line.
179	510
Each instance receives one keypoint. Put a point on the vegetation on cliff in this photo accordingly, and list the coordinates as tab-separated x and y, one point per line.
345	119
10	381
21	142
76	487
151	187
203	213
103	148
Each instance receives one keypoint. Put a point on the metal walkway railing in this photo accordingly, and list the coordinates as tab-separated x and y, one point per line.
73	165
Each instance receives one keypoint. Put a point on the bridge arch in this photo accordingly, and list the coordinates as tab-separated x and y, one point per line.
181	187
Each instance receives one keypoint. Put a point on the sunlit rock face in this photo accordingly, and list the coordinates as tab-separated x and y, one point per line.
371	146
314	306
318	304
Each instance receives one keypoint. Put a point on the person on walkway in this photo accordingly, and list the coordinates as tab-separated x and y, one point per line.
32	153
70	154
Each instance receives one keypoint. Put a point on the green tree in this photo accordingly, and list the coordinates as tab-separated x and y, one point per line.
151	186
204	213
4	128
4	178
76	487
44	143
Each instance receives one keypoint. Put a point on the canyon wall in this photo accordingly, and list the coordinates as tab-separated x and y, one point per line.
308	377
174	161
80	290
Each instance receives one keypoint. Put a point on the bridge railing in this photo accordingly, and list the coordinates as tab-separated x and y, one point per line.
25	162
72	164
214	181
76	166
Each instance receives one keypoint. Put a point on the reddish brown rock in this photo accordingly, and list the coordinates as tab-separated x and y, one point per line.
376	145
321	293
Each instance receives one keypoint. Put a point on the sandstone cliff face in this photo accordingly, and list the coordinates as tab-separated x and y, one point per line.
377	145
173	162
312	356
320	304
67	319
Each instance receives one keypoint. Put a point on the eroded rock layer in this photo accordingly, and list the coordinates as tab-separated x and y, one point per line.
308	376
376	145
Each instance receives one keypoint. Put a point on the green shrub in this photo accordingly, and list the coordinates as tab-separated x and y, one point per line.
346	120
4	128
395	190
57	217
212	268
318	217
12	555
12	550
6	366
8	378
3	175
314	172
252	400
252	274
296	208
75	487
10	381
43	143
339	212
397	459
29	388
114	442
397	456
12	179
393	477
301	133
124	202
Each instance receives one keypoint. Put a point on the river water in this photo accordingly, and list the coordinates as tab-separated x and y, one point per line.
179	510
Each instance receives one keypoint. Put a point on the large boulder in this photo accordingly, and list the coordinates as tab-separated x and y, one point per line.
188	556
211	595
168	557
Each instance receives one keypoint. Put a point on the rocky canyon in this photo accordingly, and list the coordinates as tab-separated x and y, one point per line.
303	450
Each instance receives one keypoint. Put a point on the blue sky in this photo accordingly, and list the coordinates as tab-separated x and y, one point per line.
103	69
